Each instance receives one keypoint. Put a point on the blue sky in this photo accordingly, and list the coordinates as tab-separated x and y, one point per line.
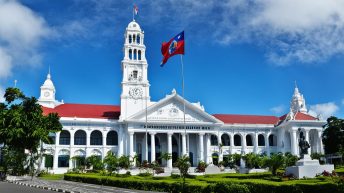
242	57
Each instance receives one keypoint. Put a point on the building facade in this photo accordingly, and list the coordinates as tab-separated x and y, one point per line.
146	129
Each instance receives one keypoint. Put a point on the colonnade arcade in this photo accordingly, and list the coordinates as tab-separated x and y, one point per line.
82	143
198	145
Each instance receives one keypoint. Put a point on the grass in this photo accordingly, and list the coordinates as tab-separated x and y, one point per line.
263	178
52	177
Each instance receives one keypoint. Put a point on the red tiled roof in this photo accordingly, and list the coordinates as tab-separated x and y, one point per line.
247	119
300	117
85	111
303	116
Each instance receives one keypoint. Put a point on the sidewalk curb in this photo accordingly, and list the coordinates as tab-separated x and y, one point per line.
43	187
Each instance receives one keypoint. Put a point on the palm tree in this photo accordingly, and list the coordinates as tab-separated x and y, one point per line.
183	165
165	156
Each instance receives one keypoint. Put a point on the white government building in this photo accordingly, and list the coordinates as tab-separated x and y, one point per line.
90	129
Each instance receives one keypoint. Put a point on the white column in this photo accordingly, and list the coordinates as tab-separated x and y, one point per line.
321	146
184	144
201	145
131	144
256	143
243	144
120	142
232	143
267	146
307	139
169	149
152	147
104	144
293	142
56	153
220	148
208	160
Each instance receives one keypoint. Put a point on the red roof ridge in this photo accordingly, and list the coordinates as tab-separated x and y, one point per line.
85	111
247	119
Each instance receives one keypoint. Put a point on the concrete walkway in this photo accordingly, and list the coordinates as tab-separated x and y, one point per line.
70	187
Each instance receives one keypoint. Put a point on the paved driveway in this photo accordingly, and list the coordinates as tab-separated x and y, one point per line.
74	186
6	187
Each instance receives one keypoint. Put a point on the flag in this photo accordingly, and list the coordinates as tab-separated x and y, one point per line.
173	47
136	10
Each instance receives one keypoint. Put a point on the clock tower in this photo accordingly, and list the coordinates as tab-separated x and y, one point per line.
47	97
135	85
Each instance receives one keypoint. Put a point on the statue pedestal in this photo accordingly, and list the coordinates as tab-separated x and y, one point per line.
308	168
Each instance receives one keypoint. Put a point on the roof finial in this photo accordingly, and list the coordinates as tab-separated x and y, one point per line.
295	84
49	76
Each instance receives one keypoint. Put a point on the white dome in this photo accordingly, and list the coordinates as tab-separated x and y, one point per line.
48	83
134	26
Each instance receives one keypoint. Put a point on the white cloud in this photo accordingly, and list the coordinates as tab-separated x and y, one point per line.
325	110
307	31
278	109
2	92
21	33
343	102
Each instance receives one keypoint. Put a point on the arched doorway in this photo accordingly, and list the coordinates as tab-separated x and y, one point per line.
112	138
261	140
249	141
175	149
225	140
215	157
237	140
191	158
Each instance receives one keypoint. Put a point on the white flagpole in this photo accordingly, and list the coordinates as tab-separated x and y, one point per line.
134	13
183	85
146	152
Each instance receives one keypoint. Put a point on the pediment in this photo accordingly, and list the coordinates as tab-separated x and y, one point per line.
171	108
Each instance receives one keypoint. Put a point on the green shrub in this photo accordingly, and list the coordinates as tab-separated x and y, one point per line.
230	188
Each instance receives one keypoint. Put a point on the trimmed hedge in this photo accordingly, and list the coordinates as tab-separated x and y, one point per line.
211	184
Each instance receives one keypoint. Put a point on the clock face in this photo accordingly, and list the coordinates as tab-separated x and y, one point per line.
46	94
135	92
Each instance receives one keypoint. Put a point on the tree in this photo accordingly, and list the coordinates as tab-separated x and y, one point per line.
166	156
124	162
95	161
24	127
111	162
290	159
275	161
183	165
333	135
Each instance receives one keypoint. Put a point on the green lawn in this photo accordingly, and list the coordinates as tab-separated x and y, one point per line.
52	177
256	183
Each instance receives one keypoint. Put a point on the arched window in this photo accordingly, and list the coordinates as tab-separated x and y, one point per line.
237	140
261	140
80	137
112	138
130	54
249	140
138	38
139	55
96	138
130	39
213	140
63	158
64	138
272	140
135	54
134	38
225	140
